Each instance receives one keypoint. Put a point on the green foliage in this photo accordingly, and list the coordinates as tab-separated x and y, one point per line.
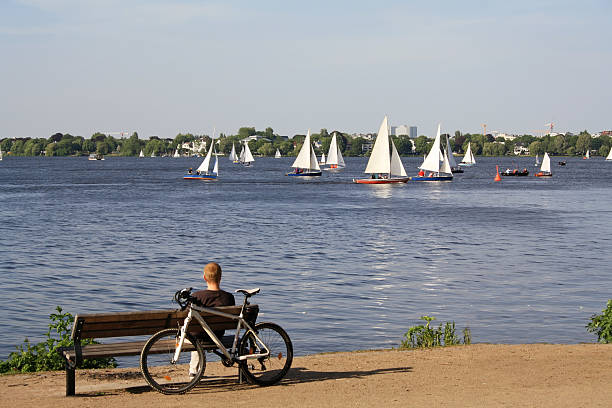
45	355
425	336
602	324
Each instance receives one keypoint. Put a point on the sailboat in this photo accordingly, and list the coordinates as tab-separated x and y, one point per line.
305	163
232	155
451	159
277	155
176	153
322	158
201	172
334	156
468	158
436	164
537	163
152	154
609	156
246	158
545	169
587	155
141	153
384	163
1	156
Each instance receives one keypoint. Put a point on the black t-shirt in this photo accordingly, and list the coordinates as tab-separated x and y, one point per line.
214	298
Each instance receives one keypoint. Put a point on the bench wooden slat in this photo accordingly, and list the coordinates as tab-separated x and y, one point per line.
133	348
105	325
170	323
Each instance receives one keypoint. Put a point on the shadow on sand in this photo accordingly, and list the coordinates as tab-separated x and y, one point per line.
296	375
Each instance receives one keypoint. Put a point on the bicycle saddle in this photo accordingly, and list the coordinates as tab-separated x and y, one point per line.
248	292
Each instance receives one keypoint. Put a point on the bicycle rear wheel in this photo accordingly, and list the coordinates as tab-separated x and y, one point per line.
157	367
266	370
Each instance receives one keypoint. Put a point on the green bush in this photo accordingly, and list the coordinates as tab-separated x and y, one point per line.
425	336
602	324
45	356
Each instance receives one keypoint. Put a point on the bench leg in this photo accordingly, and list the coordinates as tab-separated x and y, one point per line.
70	374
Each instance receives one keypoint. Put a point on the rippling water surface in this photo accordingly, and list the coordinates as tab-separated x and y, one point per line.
341	266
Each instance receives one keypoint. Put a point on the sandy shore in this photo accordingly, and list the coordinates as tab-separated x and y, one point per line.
481	375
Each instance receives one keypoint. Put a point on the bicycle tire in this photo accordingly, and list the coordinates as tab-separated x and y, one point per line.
157	367
271	369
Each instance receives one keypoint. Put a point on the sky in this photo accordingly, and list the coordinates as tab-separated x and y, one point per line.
161	67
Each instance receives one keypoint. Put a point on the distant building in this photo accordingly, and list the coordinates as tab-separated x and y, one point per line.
402	130
413	133
520	149
366	136
507	136
606	133
366	147
255	137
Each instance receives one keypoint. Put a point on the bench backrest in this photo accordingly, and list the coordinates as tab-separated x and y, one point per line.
103	325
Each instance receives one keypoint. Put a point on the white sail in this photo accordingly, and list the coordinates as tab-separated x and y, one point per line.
306	158
216	168
451	159
241	158
446	167
206	163
545	164
322	158
248	157
380	158
432	161
232	155
468	158
277	155
397	168
1	154
141	153
609	156
176	153
334	155
587	155
537	160
152	154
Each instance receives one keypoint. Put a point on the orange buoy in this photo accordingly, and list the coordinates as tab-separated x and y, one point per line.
497	177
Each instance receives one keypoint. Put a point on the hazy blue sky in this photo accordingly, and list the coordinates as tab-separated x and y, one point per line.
161	67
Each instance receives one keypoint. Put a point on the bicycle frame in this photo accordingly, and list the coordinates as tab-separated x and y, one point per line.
230	355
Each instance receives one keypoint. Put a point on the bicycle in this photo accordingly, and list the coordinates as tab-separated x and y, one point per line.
263	353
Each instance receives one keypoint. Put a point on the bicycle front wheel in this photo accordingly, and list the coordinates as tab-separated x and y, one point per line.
161	373
266	370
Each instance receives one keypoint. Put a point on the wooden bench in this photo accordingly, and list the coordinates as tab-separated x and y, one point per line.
113	325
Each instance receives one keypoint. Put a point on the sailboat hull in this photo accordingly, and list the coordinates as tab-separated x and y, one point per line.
466	164
382	181
542	174
433	178
457	170
305	174
200	177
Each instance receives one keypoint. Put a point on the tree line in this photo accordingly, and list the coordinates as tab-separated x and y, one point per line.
268	142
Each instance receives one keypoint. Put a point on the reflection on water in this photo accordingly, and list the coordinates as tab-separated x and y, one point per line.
381	190
124	234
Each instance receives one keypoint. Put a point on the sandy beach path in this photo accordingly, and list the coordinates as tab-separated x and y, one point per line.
481	375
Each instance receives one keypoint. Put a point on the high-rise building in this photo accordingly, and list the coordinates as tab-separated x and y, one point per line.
413	132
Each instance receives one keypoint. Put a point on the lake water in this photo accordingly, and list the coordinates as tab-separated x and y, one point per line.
341	266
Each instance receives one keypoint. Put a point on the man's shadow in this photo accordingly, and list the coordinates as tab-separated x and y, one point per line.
296	375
